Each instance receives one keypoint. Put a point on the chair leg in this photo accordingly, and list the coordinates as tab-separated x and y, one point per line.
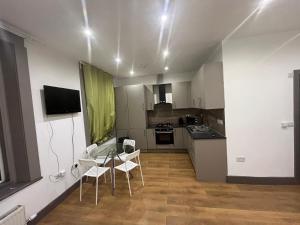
142	175
128	183
97	190
105	177
110	175
80	189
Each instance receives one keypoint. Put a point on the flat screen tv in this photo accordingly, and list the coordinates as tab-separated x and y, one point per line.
61	100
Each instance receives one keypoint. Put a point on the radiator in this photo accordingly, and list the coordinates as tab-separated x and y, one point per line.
16	216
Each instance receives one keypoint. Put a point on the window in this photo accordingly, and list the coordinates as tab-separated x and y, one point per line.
19	162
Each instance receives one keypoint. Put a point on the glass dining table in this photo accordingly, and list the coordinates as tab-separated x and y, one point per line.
108	152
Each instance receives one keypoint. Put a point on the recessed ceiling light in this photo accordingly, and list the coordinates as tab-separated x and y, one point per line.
164	18
131	72
166	68
88	32
166	53
118	60
264	3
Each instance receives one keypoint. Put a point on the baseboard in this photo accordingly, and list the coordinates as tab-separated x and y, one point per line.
262	180
41	214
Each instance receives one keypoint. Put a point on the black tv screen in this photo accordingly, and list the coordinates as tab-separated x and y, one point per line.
61	100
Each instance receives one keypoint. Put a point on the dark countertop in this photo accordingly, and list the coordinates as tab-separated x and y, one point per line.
211	134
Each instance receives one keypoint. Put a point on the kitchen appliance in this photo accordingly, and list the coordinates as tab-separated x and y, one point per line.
180	121
162	94
191	120
164	134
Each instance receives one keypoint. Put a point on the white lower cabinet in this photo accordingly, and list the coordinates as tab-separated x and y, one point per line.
140	137
178	138
151	142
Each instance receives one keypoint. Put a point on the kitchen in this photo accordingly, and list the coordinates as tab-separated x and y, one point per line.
185	116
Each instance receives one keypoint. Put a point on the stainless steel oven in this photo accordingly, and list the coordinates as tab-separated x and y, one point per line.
164	137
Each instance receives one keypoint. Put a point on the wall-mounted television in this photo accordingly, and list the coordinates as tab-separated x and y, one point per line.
61	100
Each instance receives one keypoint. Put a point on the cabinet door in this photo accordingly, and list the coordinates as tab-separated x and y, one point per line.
195	89
149	97
140	137
178	138
181	95
151	142
213	90
136	106
122	133
121	108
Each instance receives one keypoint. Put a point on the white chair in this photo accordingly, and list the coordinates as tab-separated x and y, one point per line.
129	165
123	155
94	171
101	160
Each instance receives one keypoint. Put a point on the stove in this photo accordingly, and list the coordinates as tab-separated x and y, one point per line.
164	134
164	127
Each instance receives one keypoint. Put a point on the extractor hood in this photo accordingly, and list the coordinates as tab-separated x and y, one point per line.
162	94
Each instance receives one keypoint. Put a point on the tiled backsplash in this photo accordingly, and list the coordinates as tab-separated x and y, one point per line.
163	113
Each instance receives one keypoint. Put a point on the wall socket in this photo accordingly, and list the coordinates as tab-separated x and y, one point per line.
240	159
61	173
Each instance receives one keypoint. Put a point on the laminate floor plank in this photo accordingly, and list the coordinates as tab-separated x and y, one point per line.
173	196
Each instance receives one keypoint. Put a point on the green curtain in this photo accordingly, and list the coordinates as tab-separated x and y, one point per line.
100	101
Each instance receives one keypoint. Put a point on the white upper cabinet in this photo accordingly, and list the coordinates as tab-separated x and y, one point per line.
181	95
149	97
136	106
207	88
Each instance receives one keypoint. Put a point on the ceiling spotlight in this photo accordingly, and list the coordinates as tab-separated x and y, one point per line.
118	60
131	72
88	32
164	18
166	53
166	68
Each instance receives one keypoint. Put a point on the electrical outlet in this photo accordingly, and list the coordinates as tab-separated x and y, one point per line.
240	159
61	173
74	166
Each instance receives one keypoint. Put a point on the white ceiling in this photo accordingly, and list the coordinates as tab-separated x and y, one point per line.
198	26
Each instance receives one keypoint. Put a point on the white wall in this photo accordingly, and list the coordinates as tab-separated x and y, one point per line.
258	97
50	68
152	79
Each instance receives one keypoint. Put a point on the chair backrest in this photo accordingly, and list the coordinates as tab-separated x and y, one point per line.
129	142
87	162
90	148
133	155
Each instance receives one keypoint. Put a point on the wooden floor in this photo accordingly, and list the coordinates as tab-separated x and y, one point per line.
172	196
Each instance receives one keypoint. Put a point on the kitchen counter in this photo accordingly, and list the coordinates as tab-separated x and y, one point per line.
208	156
209	134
